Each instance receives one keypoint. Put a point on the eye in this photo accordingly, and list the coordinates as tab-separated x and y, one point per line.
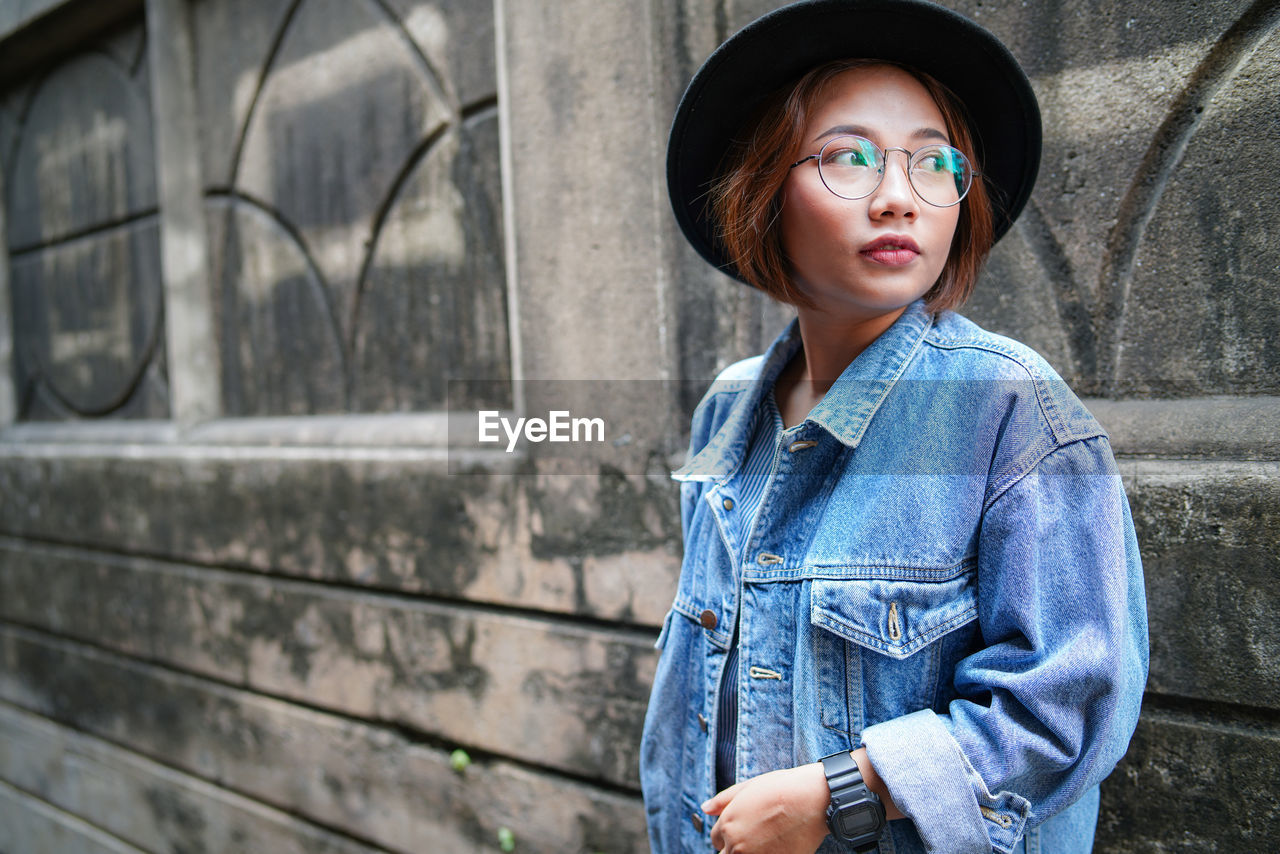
939	160
935	160
851	153
931	163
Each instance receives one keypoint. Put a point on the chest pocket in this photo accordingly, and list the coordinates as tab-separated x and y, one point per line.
886	648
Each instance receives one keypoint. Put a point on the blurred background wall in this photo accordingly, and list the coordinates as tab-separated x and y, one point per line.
257	252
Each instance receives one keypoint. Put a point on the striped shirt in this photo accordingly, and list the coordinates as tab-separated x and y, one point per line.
747	488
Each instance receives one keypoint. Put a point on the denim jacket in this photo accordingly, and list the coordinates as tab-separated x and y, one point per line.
942	569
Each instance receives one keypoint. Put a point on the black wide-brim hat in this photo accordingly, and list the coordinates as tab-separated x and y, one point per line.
777	49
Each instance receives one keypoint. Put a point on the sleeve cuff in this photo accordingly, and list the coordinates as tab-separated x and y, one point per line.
934	785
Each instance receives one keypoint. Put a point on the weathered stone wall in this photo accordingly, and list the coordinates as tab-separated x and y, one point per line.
254	253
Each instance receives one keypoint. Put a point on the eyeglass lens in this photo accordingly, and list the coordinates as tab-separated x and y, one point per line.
852	166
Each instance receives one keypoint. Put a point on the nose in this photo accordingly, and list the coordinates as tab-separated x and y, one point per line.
895	196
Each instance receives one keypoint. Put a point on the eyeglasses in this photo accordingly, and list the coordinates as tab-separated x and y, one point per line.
853	166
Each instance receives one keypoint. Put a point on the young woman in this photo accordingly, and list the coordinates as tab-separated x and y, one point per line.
911	611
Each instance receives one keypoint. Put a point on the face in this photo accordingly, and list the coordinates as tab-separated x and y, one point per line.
866	258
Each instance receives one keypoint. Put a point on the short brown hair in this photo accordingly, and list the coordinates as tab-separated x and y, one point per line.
745	198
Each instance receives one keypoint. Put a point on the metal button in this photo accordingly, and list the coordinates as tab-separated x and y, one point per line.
728	504
702	721
708	620
697	821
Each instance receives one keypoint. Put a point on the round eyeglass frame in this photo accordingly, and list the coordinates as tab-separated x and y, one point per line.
884	159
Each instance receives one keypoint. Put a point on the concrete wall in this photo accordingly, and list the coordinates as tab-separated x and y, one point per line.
261	258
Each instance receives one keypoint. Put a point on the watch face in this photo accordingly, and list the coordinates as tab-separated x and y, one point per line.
858	820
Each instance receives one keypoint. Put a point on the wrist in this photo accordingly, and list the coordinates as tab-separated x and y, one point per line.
854	815
817	796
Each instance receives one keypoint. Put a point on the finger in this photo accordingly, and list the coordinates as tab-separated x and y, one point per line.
720	800
717	837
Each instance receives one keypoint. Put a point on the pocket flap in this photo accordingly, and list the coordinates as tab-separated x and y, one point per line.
896	618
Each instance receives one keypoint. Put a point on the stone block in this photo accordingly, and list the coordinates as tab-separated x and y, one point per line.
1226	428
144	803
1193	783
1106	77
585	189
1026	291
1207	532
1201	317
548	692
1124	81
349	775
605	546
28	824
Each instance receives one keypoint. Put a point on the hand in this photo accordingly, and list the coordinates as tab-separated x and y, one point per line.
781	812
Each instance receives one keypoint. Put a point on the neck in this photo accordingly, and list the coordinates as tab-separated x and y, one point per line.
830	344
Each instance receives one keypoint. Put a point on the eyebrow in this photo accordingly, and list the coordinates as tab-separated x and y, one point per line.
859	130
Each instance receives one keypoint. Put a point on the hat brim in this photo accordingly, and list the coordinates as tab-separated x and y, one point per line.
778	48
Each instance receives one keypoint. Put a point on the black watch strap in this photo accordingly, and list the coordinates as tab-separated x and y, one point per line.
855	815
842	772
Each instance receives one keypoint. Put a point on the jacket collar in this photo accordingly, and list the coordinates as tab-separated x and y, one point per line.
849	405
845	411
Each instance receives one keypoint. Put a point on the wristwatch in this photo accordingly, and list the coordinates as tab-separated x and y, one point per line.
855	815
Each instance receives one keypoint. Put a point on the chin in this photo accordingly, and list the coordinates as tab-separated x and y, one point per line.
868	292
876	302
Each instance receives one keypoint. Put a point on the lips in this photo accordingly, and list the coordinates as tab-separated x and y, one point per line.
892	250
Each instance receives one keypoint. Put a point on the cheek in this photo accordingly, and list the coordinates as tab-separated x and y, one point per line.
946	233
953	224
807	223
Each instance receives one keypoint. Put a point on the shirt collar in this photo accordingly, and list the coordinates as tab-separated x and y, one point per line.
845	410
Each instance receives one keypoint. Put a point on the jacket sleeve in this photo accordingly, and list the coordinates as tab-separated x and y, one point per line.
1048	703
